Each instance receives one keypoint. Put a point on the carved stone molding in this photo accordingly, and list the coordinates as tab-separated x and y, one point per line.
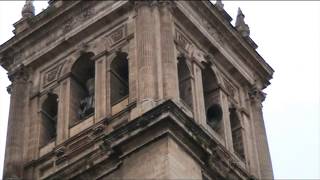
256	95
5	60
98	129
116	36
181	40
192	51
85	13
60	151
9	89
231	89
19	75
152	3
51	75
212	31
106	146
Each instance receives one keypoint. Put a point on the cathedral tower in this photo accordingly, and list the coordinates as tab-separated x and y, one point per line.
135	90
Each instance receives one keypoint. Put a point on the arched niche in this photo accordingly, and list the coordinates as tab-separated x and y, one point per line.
119	78
237	134
82	86
211	94
49	117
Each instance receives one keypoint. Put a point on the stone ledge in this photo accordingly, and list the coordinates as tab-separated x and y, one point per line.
165	119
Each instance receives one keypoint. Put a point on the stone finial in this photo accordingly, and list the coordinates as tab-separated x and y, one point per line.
241	26
219	4
28	9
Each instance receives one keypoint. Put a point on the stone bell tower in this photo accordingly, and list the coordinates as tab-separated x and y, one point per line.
135	90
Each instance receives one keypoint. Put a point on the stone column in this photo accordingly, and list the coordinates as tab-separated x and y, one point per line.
257	97
13	164
168	57
146	52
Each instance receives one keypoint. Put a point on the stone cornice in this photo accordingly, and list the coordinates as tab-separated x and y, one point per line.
42	19
237	44
66	41
152	3
19	75
245	45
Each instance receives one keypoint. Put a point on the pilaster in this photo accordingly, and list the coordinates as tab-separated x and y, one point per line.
101	88
146	52
227	133
168	57
13	164
199	106
251	155
133	71
256	99
64	111
108	87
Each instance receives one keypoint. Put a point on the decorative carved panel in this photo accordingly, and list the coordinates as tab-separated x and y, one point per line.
117	35
182	40
232	90
192	50
51	75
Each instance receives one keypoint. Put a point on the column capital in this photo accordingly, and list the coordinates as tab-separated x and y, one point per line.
20	74
9	89
257	95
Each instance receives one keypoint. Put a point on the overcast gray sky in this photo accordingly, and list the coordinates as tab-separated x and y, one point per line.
288	35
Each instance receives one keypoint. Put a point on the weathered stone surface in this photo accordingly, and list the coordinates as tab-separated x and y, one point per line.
143	126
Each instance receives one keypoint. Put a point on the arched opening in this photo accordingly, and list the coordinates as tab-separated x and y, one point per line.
119	77
214	115
49	114
82	88
211	99
236	130
185	82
